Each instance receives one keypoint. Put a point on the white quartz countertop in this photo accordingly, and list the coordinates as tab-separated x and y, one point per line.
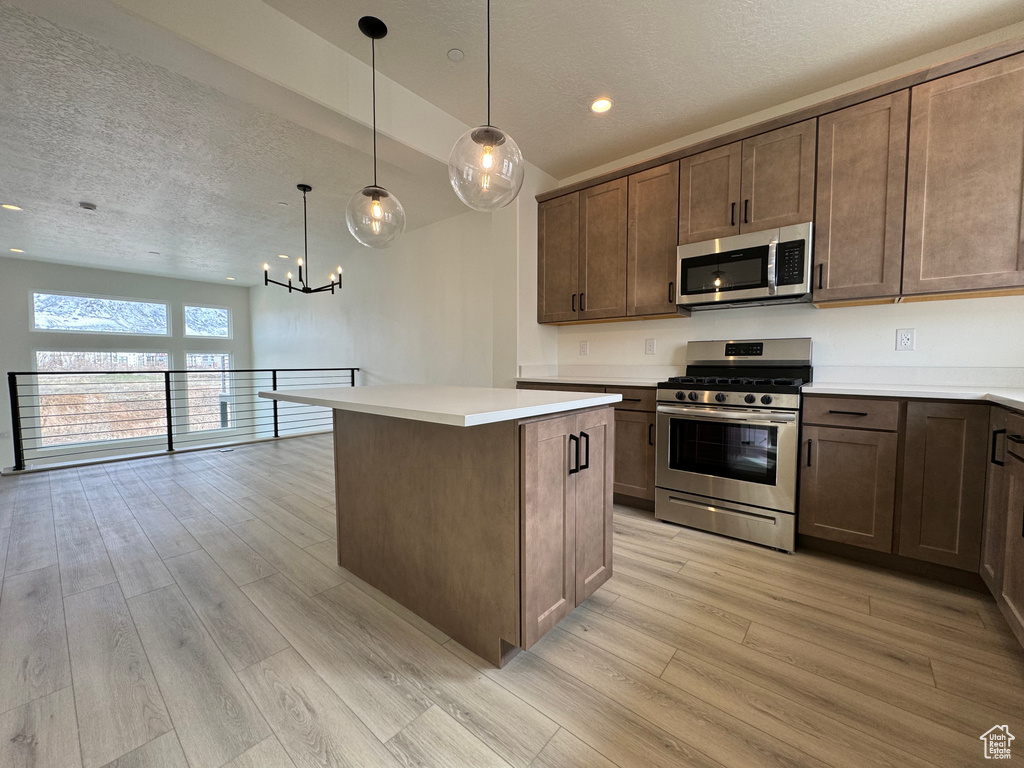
458	406
591	382
1012	398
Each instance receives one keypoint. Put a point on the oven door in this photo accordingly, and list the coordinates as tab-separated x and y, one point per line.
749	457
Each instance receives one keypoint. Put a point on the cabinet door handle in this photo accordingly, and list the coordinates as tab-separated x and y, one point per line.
574	452
1018	439
671	291
631	400
821	269
809	444
746	211
574	302
732	214
650	434
995	437
848	413
583	301
586	455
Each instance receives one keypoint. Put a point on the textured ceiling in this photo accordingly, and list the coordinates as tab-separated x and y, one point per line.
672	67
174	167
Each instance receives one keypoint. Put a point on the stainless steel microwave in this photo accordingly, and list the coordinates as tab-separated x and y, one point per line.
772	266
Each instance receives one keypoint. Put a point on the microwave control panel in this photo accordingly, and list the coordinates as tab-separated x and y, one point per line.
789	267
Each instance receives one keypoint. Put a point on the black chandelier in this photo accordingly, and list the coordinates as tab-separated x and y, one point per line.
303	286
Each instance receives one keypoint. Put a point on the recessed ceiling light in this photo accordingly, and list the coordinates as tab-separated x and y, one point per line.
16	250
283	204
282	255
456	55
601	105
10	207
229	278
154	253
88	206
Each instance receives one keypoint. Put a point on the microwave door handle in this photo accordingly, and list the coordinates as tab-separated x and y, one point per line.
773	247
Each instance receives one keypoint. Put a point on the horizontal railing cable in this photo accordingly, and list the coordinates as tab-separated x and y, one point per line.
62	417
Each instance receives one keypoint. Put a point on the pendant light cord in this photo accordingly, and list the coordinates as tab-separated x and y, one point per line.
373	70
305	237
488	62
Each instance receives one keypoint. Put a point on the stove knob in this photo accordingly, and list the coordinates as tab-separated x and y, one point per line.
693	395
766	399
680	395
749	399
720	397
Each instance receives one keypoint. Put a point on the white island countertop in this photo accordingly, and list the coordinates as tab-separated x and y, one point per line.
457	406
1011	397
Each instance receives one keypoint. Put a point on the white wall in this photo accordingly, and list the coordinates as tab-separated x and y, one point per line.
18	343
964	341
421	311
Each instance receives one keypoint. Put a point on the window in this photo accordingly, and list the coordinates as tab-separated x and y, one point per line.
93	314
210	399
214	322
103	398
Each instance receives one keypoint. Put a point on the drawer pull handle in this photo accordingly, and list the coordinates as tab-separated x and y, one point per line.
1018	439
848	413
995	438
631	400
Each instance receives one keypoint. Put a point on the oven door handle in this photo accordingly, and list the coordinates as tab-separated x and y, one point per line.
707	414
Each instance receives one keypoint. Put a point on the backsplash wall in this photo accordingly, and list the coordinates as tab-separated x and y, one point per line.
964	341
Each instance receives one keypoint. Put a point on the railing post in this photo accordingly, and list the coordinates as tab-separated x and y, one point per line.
170	411
19	448
351	377
273	386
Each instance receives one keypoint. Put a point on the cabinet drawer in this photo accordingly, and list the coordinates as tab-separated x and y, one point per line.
634	398
851	412
1015	428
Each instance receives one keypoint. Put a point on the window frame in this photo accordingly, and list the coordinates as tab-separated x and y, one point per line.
35	442
33	292
184	323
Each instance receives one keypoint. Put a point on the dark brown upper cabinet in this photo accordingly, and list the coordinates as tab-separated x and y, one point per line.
709	194
944	469
778	178
965	179
862	164
558	249
602	255
652	229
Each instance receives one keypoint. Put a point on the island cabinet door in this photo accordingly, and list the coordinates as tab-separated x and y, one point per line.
993	535
594	488
1013	569
944	467
548	492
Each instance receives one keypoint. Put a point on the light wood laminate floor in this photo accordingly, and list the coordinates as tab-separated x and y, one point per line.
187	611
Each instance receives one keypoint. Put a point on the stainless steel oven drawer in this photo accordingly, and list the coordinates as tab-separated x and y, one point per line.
761	526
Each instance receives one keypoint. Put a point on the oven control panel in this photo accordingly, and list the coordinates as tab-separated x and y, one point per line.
729	399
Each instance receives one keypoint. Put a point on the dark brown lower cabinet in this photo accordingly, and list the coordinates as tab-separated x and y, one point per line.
944	468
634	453
1012	592
993	535
566	497
848	486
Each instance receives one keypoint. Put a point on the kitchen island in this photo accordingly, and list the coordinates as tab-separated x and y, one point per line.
487	512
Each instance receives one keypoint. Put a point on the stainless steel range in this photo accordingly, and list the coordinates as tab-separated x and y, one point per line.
727	437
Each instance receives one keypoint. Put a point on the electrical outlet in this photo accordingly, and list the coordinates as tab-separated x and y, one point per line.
584	347
905	340
650	346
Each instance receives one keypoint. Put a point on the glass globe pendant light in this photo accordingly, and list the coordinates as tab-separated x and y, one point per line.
486	168
374	216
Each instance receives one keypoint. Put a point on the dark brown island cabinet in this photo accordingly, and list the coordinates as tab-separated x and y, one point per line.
634	456
939	484
915	187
